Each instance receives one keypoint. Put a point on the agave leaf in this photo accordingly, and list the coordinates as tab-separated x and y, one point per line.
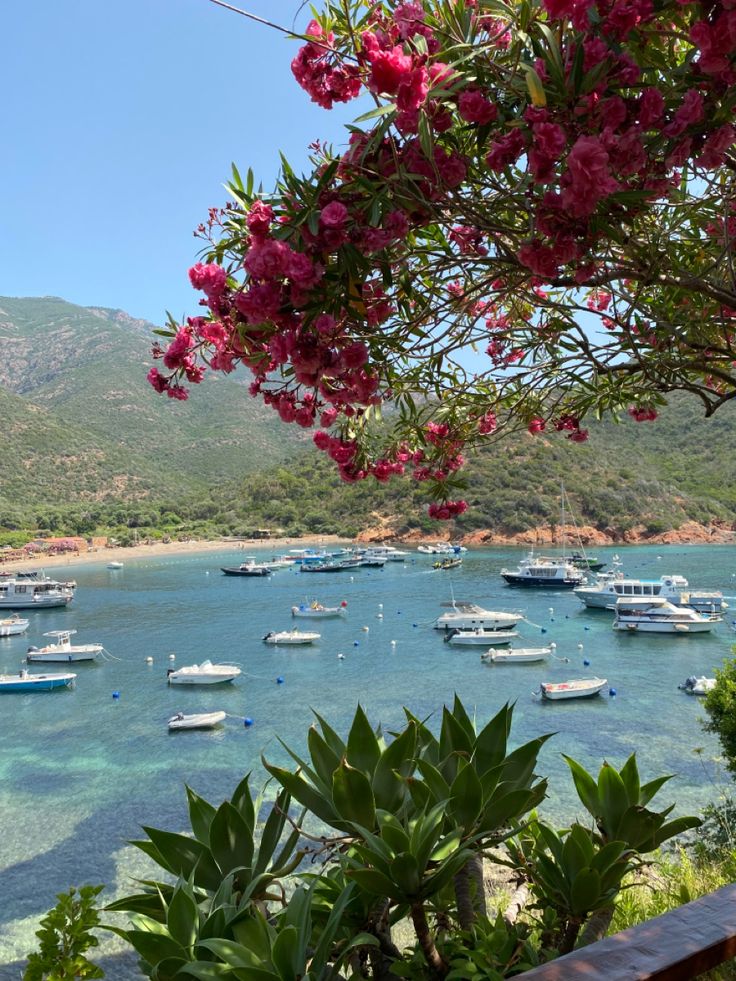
363	751
353	796
273	828
231	839
316	802
185	857
331	737
286	953
491	742
648	790
613	798
182	916
466	798
201	813
585	786
629	773
324	760
242	801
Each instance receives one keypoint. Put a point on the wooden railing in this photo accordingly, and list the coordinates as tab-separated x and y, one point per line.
676	946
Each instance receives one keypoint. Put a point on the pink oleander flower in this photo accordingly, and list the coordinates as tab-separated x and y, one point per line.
157	380
578	436
474	107
210	278
333	215
325	81
267	258
536	425
506	150
388	69
691	111
177	392
643	413
587	179
487	423
259	218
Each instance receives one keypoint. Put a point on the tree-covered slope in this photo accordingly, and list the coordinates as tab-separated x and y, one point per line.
87	369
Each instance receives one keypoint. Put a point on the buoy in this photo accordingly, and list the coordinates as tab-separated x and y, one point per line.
586	662
551	609
116	695
544	630
551	619
413	625
580	647
352	579
553	645
340	657
586	628
379	616
280	680
398	612
149	660
172	657
344	604
366	629
247	722
380	606
207	573
612	692
393	643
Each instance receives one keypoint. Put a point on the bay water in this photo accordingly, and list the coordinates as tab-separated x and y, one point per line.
81	770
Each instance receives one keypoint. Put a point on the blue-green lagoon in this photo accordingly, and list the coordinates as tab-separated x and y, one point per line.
82	770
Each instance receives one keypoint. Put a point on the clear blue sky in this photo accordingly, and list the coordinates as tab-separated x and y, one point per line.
121	120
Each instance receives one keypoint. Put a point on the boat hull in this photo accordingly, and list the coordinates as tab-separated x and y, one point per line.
11	628
35	682
487	638
665	628
567	690
253	573
291	639
328	613
42	603
205	720
61	657
521	656
539	582
201	679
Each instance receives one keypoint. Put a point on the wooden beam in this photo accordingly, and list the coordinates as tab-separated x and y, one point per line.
676	946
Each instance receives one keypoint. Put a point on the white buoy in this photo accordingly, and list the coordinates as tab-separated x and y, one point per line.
553	645
551	609
379	616
393	643
365	629
149	660
172	657
380	606
207	573
580	647
340	657
352	579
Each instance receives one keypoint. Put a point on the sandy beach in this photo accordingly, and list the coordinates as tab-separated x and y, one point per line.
162	549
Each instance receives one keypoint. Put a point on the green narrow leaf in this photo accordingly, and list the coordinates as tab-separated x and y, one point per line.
201	813
585	786
466	798
231	840
242	801
182	917
300	790
585	895
613	800
324	760
363	751
352	795
629	773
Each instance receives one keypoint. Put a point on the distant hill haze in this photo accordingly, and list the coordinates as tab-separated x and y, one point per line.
79	413
81	423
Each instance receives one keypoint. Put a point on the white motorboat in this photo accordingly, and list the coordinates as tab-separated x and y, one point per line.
516	655
23	681
468	616
114	565
11	626
655	614
204	720
387	552
63	649
205	673
478	637
697	686
250	568
438	548
612	586
29	593
291	637
578	688
317	611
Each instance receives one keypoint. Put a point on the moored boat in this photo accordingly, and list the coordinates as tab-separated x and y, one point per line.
23	681
114	565
205	673
203	720
697	686
467	616
516	655
249	568
544	573
317	611
63	650
294	637
576	688
612	586
477	637
654	614
11	626
32	593
449	563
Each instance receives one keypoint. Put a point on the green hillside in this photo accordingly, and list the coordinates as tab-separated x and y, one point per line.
87	369
90	447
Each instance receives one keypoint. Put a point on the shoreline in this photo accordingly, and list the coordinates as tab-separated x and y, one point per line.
105	554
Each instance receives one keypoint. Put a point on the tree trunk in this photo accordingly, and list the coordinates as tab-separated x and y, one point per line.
465	909
569	936
432	956
476	871
518	901
597	926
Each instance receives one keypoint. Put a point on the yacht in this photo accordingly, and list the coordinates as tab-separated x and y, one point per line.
462	615
387	552
25	593
655	614
609	587
547	573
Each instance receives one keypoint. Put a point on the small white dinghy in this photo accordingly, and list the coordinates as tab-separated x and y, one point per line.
319	612
516	655
697	686
479	637
10	626
291	637
204	720
63	650
114	565
205	673
578	688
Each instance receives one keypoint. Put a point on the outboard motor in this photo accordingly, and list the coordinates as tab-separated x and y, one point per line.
31	649
169	671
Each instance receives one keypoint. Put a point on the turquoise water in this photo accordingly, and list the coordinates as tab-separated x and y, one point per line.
81	771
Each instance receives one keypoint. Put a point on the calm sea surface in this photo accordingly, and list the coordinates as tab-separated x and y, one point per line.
81	771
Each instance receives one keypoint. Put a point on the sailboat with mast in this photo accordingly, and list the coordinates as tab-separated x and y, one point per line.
547	573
